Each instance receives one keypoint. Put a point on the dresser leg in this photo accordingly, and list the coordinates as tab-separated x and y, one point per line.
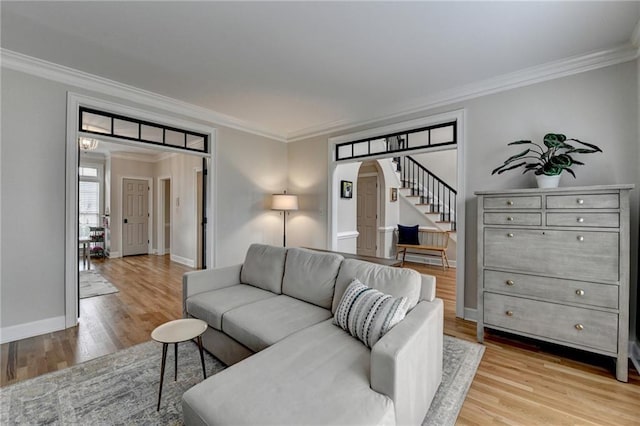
622	368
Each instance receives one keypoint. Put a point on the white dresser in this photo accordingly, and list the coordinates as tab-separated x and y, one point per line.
553	264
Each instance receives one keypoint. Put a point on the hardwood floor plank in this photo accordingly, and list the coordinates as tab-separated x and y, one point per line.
519	381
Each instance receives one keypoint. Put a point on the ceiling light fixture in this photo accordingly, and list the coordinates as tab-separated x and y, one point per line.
88	144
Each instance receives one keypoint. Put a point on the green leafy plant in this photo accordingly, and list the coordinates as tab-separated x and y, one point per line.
557	157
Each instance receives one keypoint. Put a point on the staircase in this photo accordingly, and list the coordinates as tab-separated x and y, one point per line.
428	193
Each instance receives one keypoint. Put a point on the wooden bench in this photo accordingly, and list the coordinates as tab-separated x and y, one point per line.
432	243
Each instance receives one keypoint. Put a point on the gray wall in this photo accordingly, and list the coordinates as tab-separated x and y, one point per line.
33	134
599	106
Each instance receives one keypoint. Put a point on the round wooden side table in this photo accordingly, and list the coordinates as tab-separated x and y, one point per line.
175	332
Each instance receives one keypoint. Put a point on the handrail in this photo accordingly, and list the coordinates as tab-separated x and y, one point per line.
429	187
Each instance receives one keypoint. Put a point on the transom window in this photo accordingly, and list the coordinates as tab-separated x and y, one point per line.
408	140
133	129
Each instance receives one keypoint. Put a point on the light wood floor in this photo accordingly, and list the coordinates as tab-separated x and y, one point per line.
519	381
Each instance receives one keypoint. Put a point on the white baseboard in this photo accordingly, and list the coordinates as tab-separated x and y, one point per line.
634	354
30	329
183	260
471	314
114	254
416	258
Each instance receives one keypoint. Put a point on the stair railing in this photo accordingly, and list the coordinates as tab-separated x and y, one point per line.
430	188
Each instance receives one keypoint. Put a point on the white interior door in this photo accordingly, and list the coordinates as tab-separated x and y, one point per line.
367	220
135	215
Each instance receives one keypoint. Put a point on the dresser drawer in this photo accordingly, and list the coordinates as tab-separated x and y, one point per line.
517	202
578	255
556	289
603	220
508	218
580	326
583	201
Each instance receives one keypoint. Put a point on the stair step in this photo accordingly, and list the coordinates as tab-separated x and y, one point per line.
413	196
422	204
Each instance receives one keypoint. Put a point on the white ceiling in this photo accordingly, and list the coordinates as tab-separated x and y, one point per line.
287	67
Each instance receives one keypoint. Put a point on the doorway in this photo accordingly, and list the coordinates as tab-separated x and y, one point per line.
164	216
135	217
367	214
442	131
131	128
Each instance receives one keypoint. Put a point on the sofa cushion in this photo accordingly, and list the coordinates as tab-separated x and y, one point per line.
398	282
264	267
318	376
263	323
212	305
367	313
311	276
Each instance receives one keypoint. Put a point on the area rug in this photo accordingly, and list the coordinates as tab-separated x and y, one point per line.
93	284
122	388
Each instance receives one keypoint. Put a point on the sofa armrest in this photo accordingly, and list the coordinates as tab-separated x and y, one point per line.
208	279
406	363
428	288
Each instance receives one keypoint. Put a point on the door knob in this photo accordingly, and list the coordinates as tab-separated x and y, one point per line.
126	221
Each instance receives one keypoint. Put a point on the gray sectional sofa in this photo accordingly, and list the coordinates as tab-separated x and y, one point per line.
270	319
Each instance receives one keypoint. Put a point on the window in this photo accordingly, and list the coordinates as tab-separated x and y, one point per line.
89	198
423	137
133	129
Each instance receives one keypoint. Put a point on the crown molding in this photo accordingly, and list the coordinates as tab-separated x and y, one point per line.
526	77
522	78
51	71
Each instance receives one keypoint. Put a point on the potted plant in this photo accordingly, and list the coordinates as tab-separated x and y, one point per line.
547	163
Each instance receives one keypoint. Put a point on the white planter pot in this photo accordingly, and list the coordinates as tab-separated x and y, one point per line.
545	181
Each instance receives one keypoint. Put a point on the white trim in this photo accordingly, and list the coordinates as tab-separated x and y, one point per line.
386	229
332	182
160	227
526	77
347	235
51	71
114	254
182	260
30	329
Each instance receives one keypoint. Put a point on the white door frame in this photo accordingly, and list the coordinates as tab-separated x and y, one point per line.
333	190
160	228
74	101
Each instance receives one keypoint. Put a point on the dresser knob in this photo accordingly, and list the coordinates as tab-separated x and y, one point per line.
580	292
510	314
509	282
510	235
580	201
580	219
509	203
579	327
580	238
509	218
